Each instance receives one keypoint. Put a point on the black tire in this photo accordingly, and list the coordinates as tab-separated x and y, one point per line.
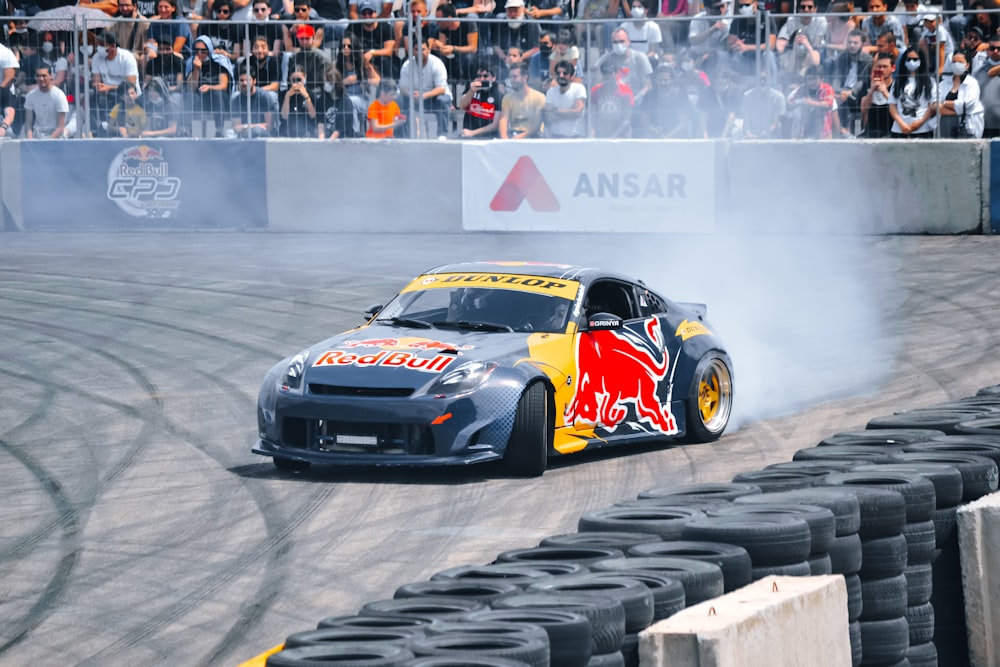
883	557
884	641
800	569
463	661
630	650
616	659
961	445
344	635
344	655
946	527
769	539
985	425
688	502
430	608
854	600
485	592
532	650
710	398
854	632
290	465
581	555
606	616
845	554
856	453
821	522
701	580
820	564
709	490
882	436
921	542
668	593
883	512
552	568
992	390
814	467
945	421
363	622
466	626
732	559
667	522
773	481
622	541
979	474
883	599
569	633
843	504
920	618
946	479
508	573
634	595
531	438
919	584
922	655
918	491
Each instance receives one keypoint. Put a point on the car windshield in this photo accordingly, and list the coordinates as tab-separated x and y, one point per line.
480	309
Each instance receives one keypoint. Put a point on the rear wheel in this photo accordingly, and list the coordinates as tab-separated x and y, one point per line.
710	402
530	440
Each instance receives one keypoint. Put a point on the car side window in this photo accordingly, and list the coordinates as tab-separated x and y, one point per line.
650	303
608	296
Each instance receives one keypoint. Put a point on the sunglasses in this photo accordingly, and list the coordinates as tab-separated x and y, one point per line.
223	12
301	9
994	48
201	50
261	9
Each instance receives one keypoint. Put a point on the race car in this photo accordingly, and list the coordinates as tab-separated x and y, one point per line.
500	361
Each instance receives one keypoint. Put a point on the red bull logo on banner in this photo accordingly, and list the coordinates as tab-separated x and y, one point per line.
140	184
619	369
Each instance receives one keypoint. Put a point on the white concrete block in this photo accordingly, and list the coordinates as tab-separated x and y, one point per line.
773	622
979	547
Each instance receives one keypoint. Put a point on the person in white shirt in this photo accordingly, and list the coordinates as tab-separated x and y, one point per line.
644	35
45	108
111	67
564	105
8	66
427	85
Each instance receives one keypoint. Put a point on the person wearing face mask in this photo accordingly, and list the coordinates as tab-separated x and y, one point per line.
340	117
45	56
644	35
516	31
988	78
751	42
708	31
564	105
633	68
913	102
962	113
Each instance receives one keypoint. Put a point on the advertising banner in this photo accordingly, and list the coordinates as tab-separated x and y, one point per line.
139	184
588	186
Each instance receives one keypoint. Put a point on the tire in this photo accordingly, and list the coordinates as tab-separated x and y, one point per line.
920	618
946	479
508	573
883	599
979	426
709	491
884	641
814	467
482	592
921	542
290	465
961	445
616	659
581	555
769	539
800	569
844	504
922	655
979	474
939	420
606	616
882	436
327	636
855	602
854	632
569	633
820	564
845	554
363	622
552	568
821	522
430	608
531	438
732	559
636	598
710	399
464	661
667	522
701	581
946	527
883	512
532	650
855	453
883	557
919	584
622	541
773	481
668	593
918	491
344	655
465	626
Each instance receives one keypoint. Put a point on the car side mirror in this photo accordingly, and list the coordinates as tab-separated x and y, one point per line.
603	322
372	311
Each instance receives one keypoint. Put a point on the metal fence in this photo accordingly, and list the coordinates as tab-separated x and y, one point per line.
673	81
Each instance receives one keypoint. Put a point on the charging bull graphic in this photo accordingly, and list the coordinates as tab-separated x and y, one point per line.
619	368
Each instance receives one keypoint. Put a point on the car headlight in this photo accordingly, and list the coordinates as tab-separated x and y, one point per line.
296	369
465	378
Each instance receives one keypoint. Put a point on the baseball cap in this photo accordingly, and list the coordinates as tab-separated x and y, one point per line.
515	3
368	5
305	31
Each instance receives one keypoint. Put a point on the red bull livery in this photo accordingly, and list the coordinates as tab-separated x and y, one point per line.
500	361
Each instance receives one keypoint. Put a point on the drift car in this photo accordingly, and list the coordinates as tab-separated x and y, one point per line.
499	361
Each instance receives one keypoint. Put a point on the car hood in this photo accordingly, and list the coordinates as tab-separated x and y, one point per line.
381	356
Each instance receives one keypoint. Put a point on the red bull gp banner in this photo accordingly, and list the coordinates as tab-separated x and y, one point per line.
142	184
583	186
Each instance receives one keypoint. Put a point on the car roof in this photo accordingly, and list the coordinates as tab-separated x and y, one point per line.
582	274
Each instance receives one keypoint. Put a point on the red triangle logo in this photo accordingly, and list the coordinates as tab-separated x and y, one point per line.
523	182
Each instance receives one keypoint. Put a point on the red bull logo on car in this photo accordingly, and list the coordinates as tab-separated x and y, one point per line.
619	369
387	359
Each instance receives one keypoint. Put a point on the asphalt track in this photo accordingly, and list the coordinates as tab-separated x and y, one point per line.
137	527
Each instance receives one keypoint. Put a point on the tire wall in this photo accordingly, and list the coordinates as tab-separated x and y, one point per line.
860	187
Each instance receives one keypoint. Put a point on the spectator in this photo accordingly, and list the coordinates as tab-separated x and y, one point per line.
425	31
384	115
611	104
847	74
958	96
936	44
644	35
127	119
340	118
334	16
209	77
988	78
762	110
359	77
876	120
373	39
666	112
975	15
913	103
974	48
131	30
522	108
171	26
8	66
633	68
751	42
548	12
45	108
299	117
304	17
383	9
911	14
879	22
708	33
46	56
263	27
721	114
540	65
886	43
840	23
265	69
224	33
424	81
565	51
162	112
165	64
676	30
7	112
815	28
481	103
253	112
810	107
111	68
513	58
592	34
456	43
564	105
699	90
310	58
515	31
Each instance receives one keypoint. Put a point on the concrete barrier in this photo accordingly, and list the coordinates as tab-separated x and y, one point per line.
10	186
979	545
760	625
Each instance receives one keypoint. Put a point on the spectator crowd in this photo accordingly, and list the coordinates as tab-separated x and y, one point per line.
500	69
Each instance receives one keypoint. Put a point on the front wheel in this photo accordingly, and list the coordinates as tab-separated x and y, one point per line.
710	402
530	439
